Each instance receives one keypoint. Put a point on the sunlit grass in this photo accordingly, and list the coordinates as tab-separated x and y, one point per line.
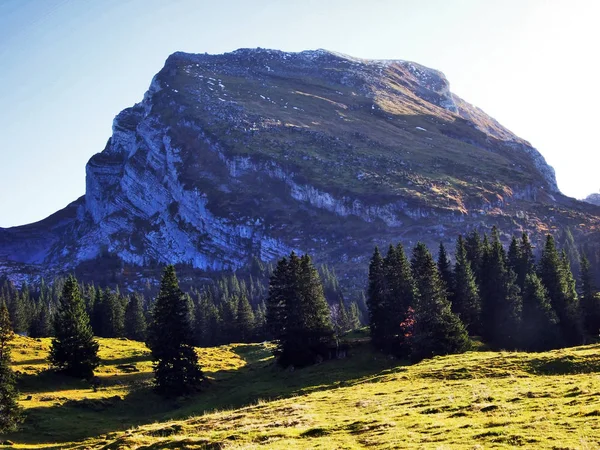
476	400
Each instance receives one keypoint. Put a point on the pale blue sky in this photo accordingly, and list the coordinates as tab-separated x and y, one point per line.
68	67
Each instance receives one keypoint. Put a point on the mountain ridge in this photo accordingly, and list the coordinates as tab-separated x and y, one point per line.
259	152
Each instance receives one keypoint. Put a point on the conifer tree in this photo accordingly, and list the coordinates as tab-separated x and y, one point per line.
437	330
527	260
170	338
244	319
74	350
307	329
41	324
135	319
466	302
475	250
590	303
514	255
279	290
561	292
376	294
501	304
399	296
445	270
11	414
540	329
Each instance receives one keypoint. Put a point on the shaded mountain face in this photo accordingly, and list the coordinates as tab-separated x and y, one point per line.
258	152
594	199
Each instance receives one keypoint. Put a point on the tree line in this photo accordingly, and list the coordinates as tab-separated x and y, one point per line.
508	297
229	309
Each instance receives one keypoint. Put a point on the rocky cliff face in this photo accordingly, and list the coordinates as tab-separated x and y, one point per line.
258	152
594	199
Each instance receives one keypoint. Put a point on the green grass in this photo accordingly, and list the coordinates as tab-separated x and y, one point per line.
476	400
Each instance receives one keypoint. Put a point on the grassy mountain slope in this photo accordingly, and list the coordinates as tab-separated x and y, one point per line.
477	400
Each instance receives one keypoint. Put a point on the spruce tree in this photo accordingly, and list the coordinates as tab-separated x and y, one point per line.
74	350
170	338
475	250
41	324
590	303
244	319
466	302
527	261
307	330
279	289
539	329
437	330
376	294
445	270
11	414
501	304
557	279
135	319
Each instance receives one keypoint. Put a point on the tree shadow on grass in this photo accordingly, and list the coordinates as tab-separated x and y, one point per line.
564	365
260	379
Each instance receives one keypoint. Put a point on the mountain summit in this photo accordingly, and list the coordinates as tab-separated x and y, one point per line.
258	152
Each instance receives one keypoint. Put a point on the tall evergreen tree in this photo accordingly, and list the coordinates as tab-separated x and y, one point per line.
501	304
527	260
475	250
376	295
135	319
437	330
590	302
466	302
307	329
445	270
170	338
244	319
11	414
74	350
561	292
41	324
540	329
279	290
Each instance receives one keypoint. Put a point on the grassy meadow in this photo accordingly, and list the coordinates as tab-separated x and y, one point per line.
477	400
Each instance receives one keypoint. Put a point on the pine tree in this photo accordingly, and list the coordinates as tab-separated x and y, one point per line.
466	302
279	289
170	338
475	251
557	279
135	319
437	330
74	350
41	325
540	329
527	261
11	414
307	331
445	270
376	294
501	304
590	303
398	298
244	319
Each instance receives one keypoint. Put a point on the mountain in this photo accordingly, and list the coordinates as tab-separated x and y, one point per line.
256	152
594	199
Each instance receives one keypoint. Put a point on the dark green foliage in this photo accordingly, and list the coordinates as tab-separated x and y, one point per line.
501	304
445	270
112	315
74	350
540	330
466	302
475	250
41	323
376	295
11	414
244	320
170	338
296	301
558	280
590	303
437	330
135	319
18	312
526	262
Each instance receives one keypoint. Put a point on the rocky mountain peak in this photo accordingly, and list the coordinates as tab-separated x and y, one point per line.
257	152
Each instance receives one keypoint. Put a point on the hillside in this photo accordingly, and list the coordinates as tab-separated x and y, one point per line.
258	152
479	399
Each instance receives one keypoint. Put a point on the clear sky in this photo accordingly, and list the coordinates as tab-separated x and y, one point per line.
67	67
